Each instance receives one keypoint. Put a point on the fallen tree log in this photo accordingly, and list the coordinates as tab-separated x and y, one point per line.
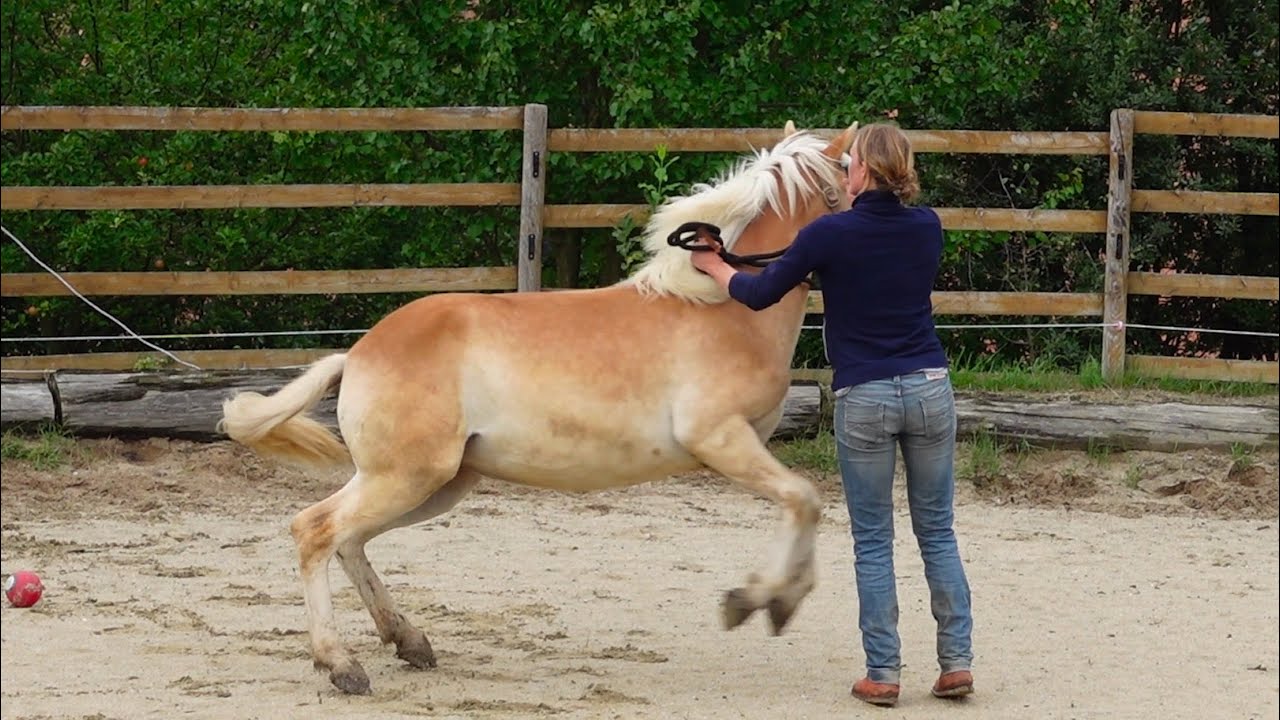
188	405
28	400
1164	426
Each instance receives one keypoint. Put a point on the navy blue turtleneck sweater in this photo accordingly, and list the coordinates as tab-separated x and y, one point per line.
876	262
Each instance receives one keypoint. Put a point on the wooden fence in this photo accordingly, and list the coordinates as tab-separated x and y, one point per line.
1121	282
535	216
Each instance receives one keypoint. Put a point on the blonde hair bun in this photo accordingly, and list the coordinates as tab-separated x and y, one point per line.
886	152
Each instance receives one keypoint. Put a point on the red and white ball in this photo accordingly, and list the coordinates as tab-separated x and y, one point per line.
23	588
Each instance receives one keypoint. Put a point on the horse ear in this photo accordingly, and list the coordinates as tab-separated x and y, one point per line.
789	129
841	143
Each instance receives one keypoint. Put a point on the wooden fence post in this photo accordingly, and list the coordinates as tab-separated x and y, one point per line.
1115	302
533	186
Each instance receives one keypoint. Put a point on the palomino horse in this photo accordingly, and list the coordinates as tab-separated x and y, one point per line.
574	391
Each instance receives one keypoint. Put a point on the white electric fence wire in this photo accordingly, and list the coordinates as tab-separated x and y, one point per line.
185	336
90	303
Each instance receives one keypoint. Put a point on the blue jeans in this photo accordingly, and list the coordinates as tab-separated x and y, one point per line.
917	413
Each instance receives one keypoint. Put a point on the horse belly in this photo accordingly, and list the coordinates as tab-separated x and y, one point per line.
574	459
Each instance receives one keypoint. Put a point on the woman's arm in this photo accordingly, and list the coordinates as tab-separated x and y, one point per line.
778	278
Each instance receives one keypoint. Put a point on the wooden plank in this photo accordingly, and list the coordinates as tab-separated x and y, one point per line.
589	216
161	197
972	302
647	140
1017	303
510	118
1069	221
206	359
1203	201
51	117
1249	287
1166	426
1258	371
533	190
1082	221
747	139
264	282
1000	142
1116	272
1219	124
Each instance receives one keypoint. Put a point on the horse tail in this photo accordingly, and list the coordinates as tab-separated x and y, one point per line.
275	425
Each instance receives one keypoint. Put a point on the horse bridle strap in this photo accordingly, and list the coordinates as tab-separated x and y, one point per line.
690	233
705	237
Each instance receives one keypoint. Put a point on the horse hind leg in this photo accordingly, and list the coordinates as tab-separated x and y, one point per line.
733	448
367	502
412	644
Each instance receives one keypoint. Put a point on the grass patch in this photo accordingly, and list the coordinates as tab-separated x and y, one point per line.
1098	452
984	461
1242	456
817	454
47	448
1132	476
984	373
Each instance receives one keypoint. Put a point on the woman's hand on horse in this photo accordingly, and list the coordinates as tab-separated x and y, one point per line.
715	266
708	262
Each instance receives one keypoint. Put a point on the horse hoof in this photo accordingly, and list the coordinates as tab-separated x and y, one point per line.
780	613
352	681
736	608
419	655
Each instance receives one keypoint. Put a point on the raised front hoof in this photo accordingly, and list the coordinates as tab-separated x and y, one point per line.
780	612
351	680
736	608
417	653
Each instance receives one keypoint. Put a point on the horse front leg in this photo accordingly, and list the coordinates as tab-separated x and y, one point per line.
733	448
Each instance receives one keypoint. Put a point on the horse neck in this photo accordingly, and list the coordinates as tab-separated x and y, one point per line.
771	231
768	233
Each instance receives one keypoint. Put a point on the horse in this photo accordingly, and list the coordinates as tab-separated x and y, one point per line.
571	390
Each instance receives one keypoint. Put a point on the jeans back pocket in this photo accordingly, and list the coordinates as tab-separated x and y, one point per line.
861	423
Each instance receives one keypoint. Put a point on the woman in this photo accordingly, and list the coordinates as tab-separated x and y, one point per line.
876	263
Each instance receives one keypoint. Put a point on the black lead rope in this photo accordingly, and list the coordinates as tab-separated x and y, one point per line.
690	233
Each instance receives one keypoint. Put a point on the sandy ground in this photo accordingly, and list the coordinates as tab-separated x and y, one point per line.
1127	586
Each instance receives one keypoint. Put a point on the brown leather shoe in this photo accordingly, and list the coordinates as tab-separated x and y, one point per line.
870	691
953	684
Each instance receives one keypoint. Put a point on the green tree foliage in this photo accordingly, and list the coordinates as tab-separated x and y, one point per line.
988	64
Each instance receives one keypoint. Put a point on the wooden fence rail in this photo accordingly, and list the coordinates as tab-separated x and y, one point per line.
535	216
262	282
737	140
56	117
1031	220
209	197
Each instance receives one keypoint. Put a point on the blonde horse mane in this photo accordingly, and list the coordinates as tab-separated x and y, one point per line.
794	169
